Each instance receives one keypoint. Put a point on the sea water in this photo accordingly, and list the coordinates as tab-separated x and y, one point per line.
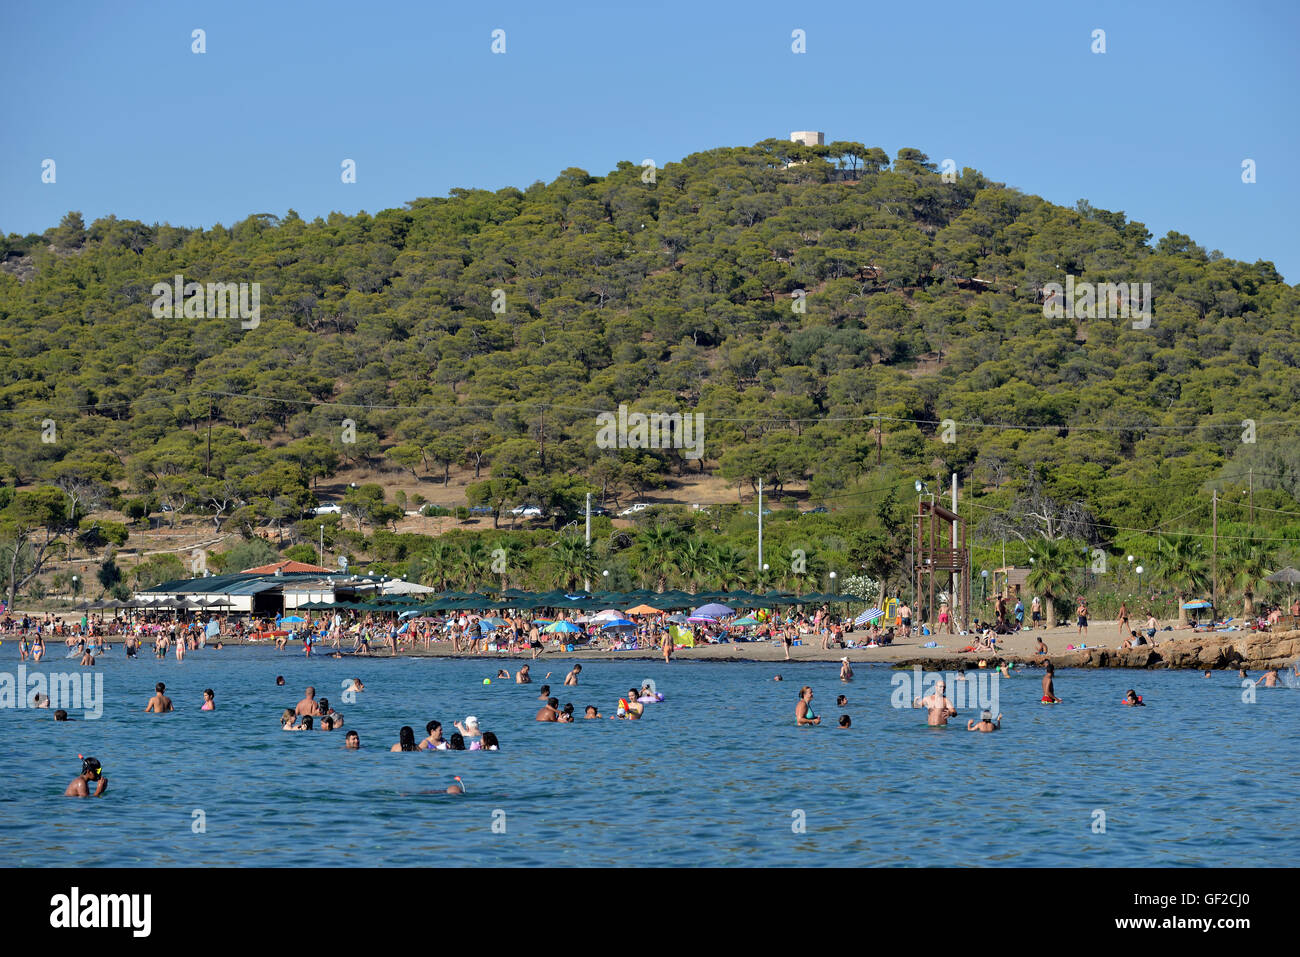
716	774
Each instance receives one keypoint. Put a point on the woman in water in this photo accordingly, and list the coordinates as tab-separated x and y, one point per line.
287	721
489	742
405	740
38	648
457	743
434	741
208	695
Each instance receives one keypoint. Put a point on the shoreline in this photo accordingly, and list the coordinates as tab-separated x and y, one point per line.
1178	650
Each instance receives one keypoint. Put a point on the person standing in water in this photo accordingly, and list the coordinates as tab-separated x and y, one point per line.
937	705
1049	690
159	703
208	705
803	713
846	669
986	723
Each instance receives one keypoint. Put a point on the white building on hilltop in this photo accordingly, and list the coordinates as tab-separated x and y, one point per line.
808	137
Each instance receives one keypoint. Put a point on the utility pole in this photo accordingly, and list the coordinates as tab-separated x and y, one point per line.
1252	499
586	582
952	591
1214	559
207	469
760	525
878	441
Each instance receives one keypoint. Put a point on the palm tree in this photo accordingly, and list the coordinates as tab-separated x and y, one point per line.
1245	562
507	557
692	561
1052	574
729	567
1180	564
659	546
436	568
571	561
475	563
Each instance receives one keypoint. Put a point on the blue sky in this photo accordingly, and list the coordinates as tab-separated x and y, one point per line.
141	127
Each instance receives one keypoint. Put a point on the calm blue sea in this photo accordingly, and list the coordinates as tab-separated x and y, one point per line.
716	775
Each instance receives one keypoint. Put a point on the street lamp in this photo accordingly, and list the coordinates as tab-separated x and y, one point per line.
763	577
322	544
76	586
984	585
833	576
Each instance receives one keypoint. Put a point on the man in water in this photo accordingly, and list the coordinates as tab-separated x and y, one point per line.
308	704
279	680
549	711
986	723
845	721
1270	678
90	771
1049	690
352	741
355	685
592	712
803	709
939	707
522	677
159	702
572	677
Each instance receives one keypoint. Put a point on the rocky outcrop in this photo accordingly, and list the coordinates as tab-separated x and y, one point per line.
1210	650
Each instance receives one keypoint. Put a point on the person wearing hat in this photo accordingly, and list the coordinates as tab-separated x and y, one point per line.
90	771
470	728
846	669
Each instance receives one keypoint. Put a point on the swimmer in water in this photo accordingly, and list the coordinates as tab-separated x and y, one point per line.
1269	680
208	705
522	676
503	674
1049	689
803	713
546	693
1207	673
846	669
778	678
87	658
572	677
938	706
549	711
986	722
159	702
90	771
434	741
457	743
405	739
1133	699
352	741
489	742
842	701
592	712
308	705
470	728
60	715
354	684
279	680
635	708
845	721
566	714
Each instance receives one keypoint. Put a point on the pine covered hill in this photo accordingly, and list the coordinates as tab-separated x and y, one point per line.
799	298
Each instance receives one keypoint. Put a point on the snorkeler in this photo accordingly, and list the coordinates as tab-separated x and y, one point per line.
90	771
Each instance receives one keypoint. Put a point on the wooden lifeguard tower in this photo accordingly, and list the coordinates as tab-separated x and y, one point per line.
942	560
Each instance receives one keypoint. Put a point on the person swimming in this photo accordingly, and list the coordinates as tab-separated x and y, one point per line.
352	741
405	739
986	722
842	701
592	712
456	743
91	770
489	742
208	695
1133	699
434	741
845	721
470	728
549	711
1049	689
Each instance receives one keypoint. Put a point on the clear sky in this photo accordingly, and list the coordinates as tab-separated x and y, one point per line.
141	127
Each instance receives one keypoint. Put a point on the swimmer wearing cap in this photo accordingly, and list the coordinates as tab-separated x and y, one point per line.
986	722
90	771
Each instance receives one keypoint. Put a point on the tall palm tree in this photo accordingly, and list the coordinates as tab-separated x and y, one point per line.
571	562
506	559
1243	566
1051	574
659	548
1181	565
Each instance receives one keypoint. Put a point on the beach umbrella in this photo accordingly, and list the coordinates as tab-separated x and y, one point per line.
1197	603
607	615
619	623
644	610
702	620
293	620
1287	576
713	611
746	622
563	627
868	616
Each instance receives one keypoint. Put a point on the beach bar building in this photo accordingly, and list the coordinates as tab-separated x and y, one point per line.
270	589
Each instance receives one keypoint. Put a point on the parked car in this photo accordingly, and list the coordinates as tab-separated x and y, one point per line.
633	509
527	511
480	510
819	510
329	508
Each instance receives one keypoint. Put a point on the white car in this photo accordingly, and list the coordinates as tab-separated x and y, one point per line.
527	511
633	509
329	508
